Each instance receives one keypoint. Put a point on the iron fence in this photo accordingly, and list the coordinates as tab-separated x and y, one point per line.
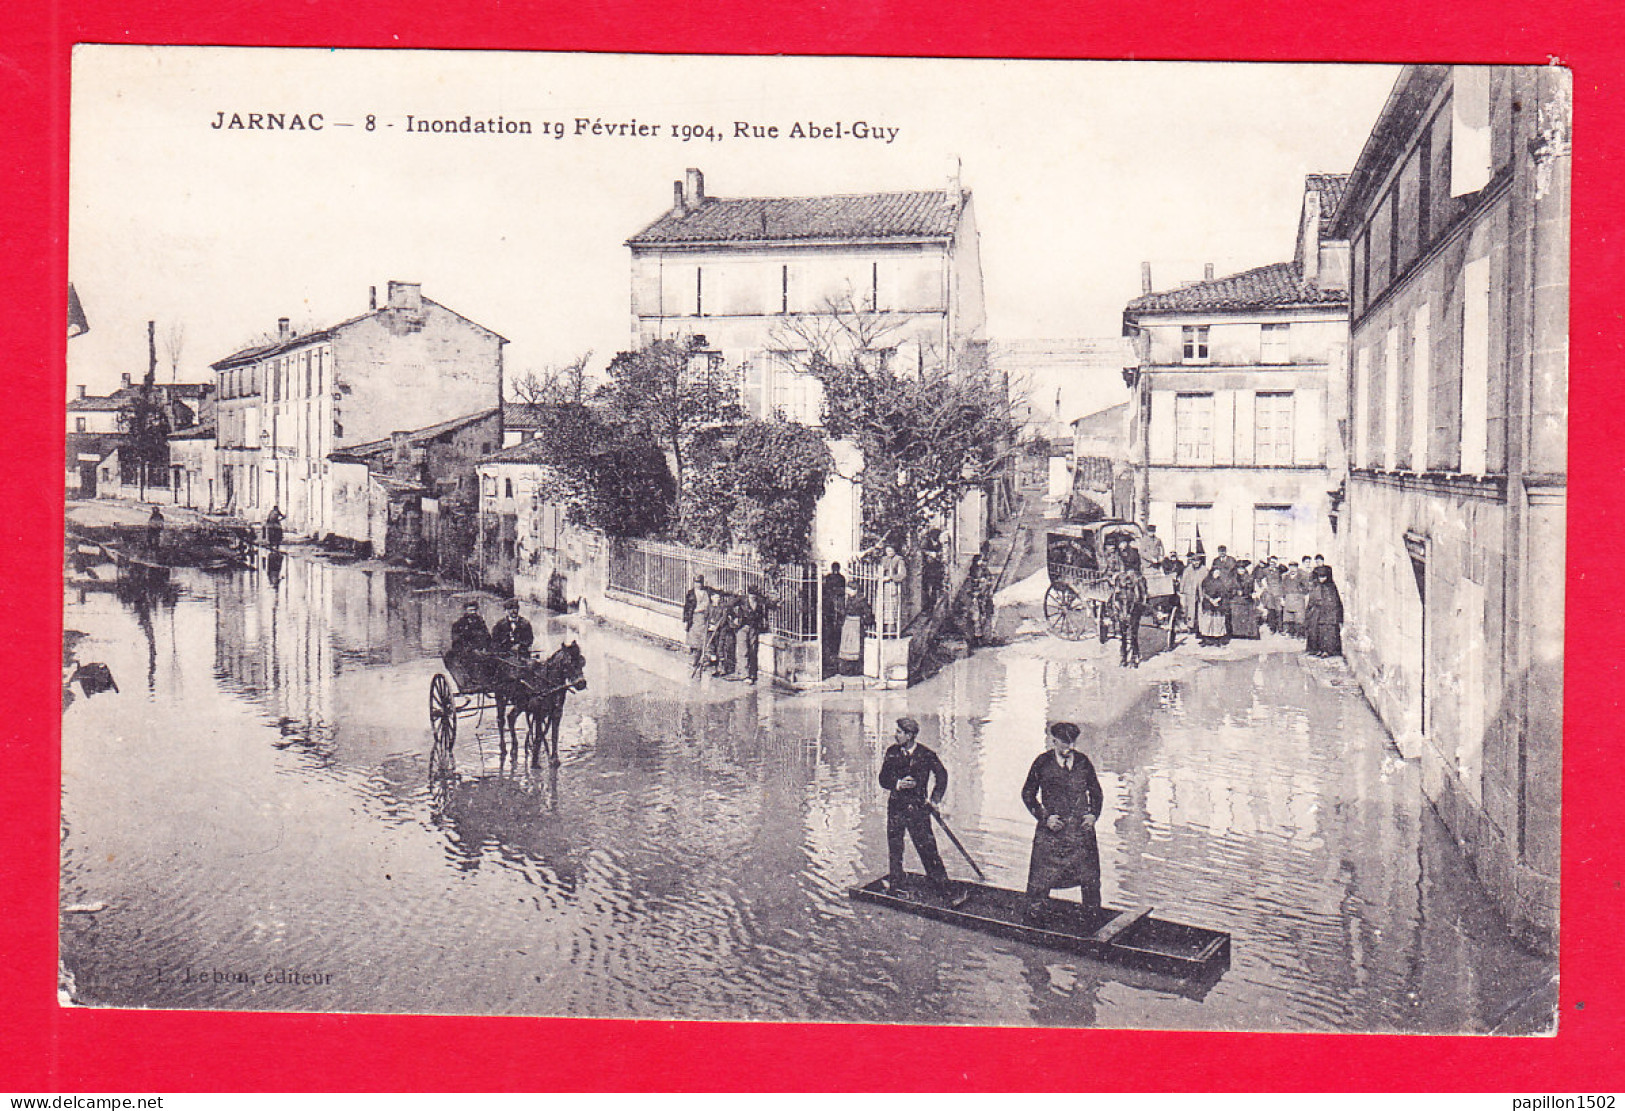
662	572
894	603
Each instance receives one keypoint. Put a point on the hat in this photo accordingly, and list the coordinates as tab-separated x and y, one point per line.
909	726
511	604
471	604
1064	731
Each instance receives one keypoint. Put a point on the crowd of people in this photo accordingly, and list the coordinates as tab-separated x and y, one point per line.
724	630
1232	598
1226	599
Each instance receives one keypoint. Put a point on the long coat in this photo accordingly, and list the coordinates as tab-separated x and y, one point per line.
1069	856
1324	634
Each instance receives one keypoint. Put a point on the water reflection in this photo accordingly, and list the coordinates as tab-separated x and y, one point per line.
272	795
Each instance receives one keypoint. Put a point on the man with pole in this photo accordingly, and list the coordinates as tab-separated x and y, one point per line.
917	780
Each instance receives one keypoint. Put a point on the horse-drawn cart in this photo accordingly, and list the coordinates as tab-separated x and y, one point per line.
1077	601
475	682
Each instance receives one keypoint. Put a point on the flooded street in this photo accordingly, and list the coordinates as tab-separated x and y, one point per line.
254	809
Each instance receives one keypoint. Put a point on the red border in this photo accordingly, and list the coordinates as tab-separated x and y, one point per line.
42	1047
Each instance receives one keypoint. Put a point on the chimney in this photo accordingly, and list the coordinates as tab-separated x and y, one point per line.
1207	271
282	330
406	296
1309	236
372	298
81	393
677	208
693	189
126	377
956	194
1145	277
400	448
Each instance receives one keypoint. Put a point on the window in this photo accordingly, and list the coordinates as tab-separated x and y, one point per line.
1272	429
1362	407
488	485
1193	428
78	424
1274	344
507	488
699	291
1195	336
784	288
1272	531
874	287
1390	401
1475	367
1421	388
1190	522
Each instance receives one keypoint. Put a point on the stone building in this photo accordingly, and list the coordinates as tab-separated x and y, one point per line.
747	281
1456	436
1230	429
284	407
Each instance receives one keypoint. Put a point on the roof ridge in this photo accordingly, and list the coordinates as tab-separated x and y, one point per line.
834	196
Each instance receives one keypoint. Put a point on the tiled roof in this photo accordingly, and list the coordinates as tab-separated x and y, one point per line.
421	435
1331	188
1278	285
1108	422
270	350
97	404
530	451
524	415
932	214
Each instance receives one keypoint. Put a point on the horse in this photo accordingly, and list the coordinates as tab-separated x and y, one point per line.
538	691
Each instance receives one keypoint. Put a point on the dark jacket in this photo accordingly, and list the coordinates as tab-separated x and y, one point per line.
753	613
925	767
1051	789
512	635
470	634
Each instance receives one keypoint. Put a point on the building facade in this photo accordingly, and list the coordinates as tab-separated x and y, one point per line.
97	425
755	277
1230	428
755	284
285	407
1061	381
1456	438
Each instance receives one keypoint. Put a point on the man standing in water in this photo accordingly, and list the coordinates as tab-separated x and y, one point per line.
1063	793
917	781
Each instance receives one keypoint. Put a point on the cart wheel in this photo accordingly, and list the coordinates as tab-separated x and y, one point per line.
1065	612
442	711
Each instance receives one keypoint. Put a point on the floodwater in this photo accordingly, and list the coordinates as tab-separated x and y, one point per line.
253	813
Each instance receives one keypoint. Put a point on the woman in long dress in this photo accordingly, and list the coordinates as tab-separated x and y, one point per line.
1243	608
1325	615
1212	625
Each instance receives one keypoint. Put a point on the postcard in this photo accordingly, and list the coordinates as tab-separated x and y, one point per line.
922	541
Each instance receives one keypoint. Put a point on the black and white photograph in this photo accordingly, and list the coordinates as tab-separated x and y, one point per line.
947	542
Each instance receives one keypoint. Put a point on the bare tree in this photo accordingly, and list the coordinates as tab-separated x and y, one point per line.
553	385
174	345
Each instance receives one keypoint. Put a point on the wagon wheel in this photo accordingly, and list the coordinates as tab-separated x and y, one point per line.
442	711
1065	613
